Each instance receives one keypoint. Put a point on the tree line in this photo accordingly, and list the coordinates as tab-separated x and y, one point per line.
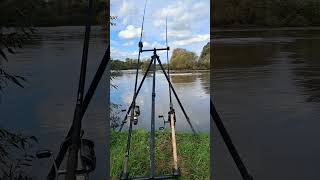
181	59
266	13
52	12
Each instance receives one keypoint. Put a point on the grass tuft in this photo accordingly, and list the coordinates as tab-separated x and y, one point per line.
193	154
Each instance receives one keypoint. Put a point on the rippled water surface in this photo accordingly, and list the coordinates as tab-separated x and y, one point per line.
266	86
45	107
192	89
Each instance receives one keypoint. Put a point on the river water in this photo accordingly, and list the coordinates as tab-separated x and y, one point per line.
192	90
266	86
45	107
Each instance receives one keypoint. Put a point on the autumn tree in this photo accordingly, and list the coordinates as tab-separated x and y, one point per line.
182	59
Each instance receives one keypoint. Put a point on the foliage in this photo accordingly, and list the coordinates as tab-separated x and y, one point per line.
15	29
204	60
193	153
266	13
15	155
55	12
124	65
182	59
145	64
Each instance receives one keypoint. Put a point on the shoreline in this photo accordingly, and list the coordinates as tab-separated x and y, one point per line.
171	71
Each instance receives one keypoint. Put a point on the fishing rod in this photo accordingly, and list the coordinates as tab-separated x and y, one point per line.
136	78
171	115
74	141
134	111
88	97
72	161
168	63
227	140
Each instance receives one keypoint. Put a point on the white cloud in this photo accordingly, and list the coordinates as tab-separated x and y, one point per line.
182	14
146	44
188	24
130	32
184	19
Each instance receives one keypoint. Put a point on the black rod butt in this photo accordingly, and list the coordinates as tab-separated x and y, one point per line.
124	175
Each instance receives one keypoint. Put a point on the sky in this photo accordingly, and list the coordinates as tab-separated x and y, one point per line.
188	26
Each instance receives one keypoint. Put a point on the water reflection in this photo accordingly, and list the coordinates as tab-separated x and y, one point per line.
192	89
266	88
307	68
44	108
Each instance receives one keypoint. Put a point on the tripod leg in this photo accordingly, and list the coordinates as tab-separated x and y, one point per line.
125	172
152	133
227	140
134	98
175	94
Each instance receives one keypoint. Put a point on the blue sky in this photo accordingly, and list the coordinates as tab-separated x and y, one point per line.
188	26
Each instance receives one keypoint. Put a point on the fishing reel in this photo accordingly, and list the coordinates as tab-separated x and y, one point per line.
164	122
136	114
86	155
168	121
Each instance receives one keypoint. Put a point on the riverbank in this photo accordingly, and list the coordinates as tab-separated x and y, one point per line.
193	154
171	71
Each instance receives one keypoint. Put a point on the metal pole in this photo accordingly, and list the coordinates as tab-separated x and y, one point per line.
93	86
125	172
227	140
72	162
131	105
152	138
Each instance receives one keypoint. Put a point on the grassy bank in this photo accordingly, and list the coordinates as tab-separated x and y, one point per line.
193	154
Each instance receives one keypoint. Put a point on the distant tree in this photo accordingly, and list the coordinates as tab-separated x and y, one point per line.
118	65
182	59
145	64
266	13
204	60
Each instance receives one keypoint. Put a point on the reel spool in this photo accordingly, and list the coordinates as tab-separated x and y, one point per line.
136	115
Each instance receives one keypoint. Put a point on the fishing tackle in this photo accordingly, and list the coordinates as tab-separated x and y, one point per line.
136	112
79	148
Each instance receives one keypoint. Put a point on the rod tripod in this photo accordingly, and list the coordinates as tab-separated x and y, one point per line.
171	116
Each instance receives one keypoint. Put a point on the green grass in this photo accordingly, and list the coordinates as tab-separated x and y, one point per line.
193	154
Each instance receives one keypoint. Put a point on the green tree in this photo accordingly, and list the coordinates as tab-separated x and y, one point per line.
182	59
204	60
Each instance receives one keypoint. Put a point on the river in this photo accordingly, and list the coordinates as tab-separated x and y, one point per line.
266	86
45	107
192	90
